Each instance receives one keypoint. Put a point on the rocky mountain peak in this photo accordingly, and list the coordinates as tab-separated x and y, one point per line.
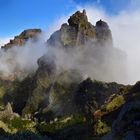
22	38
78	19
78	31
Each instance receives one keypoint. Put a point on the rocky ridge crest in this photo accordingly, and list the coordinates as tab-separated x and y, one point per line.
21	39
78	31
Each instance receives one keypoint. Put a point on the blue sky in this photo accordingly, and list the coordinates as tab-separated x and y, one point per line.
17	15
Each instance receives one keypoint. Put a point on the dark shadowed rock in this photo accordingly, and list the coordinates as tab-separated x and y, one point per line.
92	94
47	63
127	124
103	34
78	19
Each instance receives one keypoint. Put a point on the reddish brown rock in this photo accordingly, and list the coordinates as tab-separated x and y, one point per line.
22	38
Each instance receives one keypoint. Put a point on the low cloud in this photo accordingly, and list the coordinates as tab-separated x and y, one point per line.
125	29
23	58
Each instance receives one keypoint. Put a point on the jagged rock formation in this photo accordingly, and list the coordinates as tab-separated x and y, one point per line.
79	31
8	112
21	39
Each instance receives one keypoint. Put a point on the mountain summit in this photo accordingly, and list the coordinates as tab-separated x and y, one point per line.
21	39
79	31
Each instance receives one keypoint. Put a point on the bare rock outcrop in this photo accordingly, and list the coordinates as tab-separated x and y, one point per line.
78	31
8	112
22	38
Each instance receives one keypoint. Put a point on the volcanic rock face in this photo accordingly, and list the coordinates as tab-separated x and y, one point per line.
79	31
84	29
21	39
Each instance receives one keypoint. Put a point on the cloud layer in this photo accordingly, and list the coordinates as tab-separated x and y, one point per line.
21	59
125	28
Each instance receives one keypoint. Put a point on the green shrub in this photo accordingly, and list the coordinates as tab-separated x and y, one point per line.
18	125
60	124
101	128
115	103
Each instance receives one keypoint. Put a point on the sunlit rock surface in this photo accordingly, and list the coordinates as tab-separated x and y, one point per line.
21	39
